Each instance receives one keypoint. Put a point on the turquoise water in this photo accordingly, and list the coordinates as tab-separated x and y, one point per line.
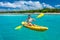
8	23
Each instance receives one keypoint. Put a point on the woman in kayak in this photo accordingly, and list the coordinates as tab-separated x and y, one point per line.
29	20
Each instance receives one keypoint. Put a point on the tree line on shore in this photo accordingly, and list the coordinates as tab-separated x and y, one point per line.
45	10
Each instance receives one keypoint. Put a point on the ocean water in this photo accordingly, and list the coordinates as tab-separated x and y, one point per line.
8	23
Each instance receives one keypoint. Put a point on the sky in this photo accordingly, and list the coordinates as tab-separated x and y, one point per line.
28	4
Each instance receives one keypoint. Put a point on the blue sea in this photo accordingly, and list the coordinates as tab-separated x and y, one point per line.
8	23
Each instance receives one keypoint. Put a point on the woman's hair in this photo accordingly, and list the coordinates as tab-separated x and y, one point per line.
29	16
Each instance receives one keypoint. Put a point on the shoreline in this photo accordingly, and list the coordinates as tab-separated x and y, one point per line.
26	13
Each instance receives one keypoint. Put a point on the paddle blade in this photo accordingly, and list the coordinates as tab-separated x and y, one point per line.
18	27
40	15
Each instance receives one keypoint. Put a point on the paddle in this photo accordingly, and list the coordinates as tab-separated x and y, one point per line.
40	15
18	27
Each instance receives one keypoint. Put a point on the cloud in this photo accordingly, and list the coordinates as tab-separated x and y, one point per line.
7	4
47	5
25	5
57	5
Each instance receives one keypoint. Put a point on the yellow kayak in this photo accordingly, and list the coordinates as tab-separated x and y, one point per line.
35	27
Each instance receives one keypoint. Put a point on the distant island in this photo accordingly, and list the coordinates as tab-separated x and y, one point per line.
45	10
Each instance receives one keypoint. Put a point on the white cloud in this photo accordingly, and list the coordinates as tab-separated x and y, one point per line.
7	4
25	5
47	5
57	5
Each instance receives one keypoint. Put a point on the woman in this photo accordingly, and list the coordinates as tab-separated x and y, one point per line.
29	20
